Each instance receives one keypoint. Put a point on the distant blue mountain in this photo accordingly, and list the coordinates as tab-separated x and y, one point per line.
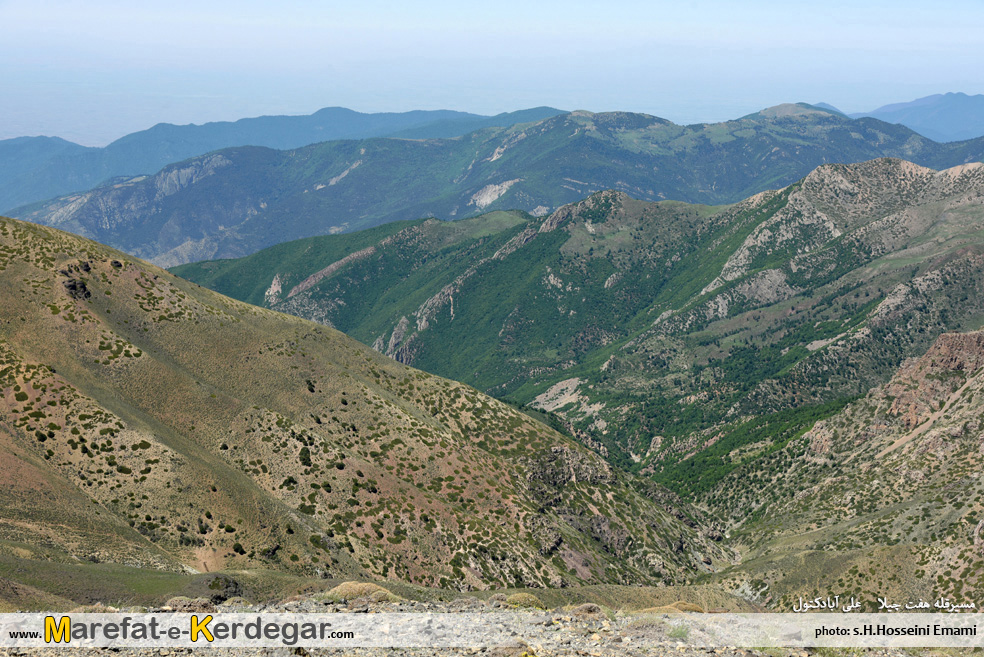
942	117
38	168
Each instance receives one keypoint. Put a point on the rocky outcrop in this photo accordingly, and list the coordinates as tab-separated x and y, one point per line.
76	289
489	194
563	465
317	277
921	388
174	179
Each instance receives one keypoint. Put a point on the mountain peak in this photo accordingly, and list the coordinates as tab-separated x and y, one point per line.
786	110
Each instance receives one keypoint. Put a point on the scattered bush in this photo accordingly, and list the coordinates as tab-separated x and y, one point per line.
525	600
354	590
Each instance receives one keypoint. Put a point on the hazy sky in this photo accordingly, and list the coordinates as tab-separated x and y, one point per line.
94	70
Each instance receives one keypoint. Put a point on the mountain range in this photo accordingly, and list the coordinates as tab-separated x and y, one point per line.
645	325
233	202
754	357
768	386
36	168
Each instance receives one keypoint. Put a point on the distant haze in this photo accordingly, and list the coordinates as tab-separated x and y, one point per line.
94	71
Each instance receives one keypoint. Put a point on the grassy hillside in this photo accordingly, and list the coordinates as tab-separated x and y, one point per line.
147	422
236	201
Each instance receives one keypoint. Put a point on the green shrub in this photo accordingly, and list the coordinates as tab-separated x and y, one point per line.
525	600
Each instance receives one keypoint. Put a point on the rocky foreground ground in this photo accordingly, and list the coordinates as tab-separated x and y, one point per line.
585	630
